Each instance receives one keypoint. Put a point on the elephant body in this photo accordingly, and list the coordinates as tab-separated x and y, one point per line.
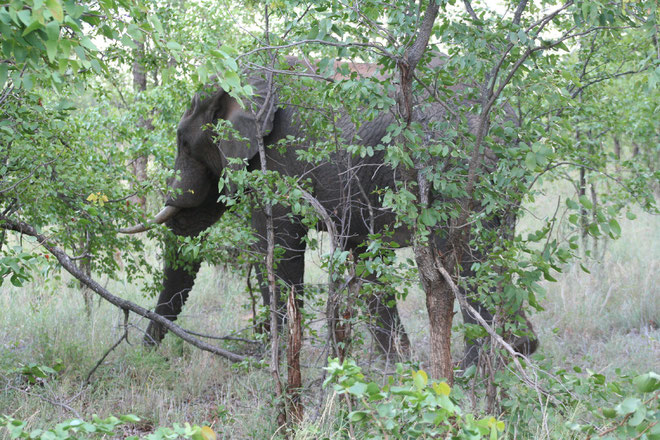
347	186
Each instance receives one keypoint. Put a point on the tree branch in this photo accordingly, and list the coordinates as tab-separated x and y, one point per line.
70	266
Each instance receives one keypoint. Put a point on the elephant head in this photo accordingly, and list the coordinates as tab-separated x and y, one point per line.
203	154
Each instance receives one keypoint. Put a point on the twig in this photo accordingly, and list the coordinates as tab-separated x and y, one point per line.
39	396
115	345
223	338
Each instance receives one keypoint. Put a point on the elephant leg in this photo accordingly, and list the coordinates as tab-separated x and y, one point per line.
289	267
177	284
386	326
179	275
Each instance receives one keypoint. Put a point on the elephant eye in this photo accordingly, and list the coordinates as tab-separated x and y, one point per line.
218	113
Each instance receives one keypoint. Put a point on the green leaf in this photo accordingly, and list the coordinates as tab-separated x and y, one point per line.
548	277
571	204
155	22
87	43
628	406
638	417
358	388
530	160
609	413
32	27
53	30
232	79
420	379
428	218
584	201
128	41
173	45
51	49
55	8
647	383
4	74
614	227
373	390
356	416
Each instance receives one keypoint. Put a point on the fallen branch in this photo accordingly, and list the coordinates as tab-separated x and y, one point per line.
67	263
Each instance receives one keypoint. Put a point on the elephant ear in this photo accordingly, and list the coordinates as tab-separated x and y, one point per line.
252	120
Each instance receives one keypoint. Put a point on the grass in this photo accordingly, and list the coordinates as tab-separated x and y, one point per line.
604	320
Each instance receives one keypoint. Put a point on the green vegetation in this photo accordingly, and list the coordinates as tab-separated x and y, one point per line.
541	179
178	384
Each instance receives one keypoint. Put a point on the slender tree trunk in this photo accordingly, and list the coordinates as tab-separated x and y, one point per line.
594	215
294	346
584	220
439	298
139	164
85	266
617	148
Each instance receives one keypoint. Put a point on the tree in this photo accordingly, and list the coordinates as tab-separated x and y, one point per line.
581	77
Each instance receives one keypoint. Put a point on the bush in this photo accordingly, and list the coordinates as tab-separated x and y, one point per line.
77	429
409	406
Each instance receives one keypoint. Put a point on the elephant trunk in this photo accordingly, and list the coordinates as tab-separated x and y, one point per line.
164	215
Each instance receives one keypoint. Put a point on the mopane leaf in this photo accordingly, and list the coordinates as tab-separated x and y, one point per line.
208	433
647	383
4	73
55	8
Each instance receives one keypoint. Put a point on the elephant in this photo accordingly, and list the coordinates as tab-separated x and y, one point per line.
194	203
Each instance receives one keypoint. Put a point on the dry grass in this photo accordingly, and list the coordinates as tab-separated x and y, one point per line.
604	320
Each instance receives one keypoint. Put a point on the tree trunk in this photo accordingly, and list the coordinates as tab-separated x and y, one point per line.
440	307
617	148
294	377
439	299
584	220
139	164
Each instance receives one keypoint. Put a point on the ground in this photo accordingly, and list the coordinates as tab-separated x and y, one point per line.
603	321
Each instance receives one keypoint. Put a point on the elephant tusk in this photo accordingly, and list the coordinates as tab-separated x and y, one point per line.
164	215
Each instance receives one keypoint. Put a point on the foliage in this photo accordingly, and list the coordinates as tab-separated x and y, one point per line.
570	96
409	406
585	402
34	372
77	429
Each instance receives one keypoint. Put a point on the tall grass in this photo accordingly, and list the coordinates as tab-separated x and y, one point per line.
604	320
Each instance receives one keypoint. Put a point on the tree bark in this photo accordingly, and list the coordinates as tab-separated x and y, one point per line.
294	377
440	307
139	164
439	298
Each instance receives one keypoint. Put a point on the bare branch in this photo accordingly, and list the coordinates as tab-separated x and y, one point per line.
377	47
519	10
468	8
115	345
